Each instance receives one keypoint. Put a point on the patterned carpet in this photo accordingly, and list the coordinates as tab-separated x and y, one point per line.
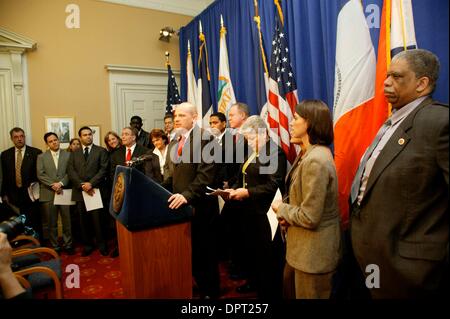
100	278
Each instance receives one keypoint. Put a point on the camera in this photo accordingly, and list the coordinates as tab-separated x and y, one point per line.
13	226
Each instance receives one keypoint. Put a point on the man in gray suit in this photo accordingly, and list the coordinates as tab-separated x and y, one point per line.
399	198
87	169
52	174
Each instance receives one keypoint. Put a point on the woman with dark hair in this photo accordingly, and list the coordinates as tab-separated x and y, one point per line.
112	141
160	140
74	144
310	211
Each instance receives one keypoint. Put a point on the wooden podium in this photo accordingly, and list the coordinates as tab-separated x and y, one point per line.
154	241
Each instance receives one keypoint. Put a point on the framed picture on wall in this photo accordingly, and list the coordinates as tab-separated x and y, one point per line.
96	134
63	126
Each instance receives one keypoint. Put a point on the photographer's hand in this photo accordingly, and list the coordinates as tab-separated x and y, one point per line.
8	282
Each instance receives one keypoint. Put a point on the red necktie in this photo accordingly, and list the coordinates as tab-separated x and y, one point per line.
129	155
180	145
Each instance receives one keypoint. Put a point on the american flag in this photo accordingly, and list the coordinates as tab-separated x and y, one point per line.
282	92
173	95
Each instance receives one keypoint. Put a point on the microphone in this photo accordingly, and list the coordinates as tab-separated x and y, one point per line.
138	160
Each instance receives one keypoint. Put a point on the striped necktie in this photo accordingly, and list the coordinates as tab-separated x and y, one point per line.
19	169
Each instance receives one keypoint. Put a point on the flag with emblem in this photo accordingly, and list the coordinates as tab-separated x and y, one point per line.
173	95
225	94
282	97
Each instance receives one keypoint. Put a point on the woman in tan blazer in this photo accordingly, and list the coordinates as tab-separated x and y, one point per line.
310	211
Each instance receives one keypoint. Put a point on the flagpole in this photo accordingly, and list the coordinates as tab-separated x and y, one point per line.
280	12
257	20
167	54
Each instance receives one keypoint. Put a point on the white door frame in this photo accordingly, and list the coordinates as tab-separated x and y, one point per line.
14	96
123	78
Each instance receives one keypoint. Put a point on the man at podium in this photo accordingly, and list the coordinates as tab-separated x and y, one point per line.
189	175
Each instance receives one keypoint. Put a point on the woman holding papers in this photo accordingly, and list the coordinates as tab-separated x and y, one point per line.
260	176
310	211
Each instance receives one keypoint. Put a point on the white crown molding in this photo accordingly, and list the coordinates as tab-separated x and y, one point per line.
186	7
15	41
138	69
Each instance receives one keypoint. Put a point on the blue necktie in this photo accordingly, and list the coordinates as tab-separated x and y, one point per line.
357	180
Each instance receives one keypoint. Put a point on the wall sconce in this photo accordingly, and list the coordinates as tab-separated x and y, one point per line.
166	33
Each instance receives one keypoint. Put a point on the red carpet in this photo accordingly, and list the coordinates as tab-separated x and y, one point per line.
100	278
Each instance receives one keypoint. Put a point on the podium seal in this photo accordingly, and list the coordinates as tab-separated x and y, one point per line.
119	191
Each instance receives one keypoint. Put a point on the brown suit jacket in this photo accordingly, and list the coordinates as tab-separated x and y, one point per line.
314	237
402	225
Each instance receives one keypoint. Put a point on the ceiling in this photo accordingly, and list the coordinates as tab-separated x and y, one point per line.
186	7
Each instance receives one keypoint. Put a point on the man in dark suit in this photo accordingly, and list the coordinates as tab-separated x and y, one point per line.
19	172
130	150
52	174
191	173
143	137
87	169
235	153
400	216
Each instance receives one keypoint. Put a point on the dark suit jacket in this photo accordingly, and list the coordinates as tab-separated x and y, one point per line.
191	175
28	170
262	187
150	167
144	139
403	222
94	170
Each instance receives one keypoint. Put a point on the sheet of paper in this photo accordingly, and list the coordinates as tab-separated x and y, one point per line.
272	216
221	203
34	191
217	192
92	202
65	198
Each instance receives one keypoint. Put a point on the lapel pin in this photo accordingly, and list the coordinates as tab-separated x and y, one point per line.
401	141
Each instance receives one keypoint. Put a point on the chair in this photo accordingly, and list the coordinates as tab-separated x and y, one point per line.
40	274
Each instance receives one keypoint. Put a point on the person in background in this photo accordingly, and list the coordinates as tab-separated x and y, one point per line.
168	127
232	220
19	173
87	170
310	211
160	141
74	144
261	175
52	174
143	137
112	141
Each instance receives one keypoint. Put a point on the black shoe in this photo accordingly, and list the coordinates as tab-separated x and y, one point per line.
104	252
87	251
114	253
245	288
69	251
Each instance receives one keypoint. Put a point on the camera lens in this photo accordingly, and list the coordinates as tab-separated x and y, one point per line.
13	226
